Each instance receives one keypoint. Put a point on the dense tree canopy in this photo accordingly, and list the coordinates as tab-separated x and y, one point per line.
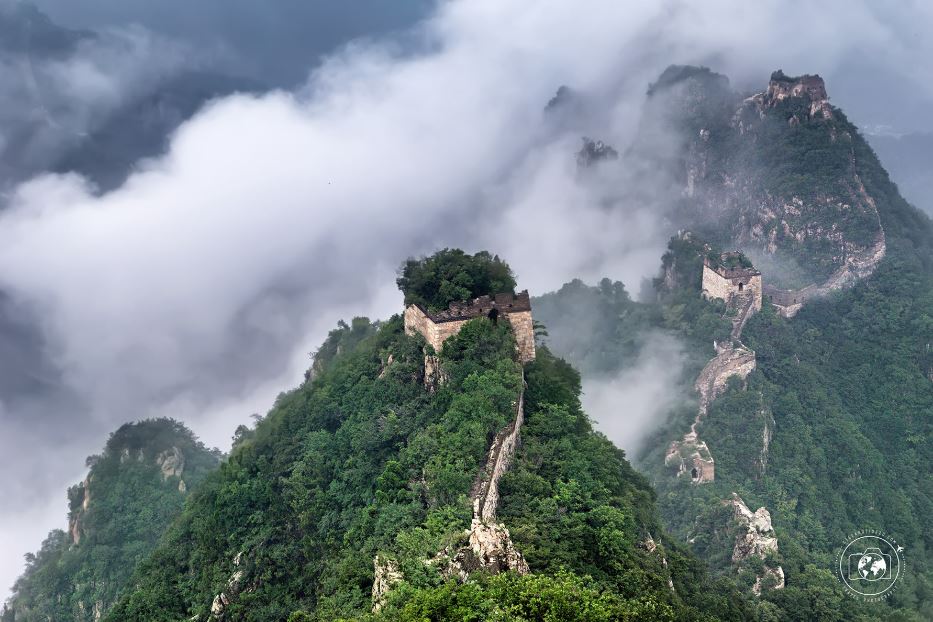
450	275
119	513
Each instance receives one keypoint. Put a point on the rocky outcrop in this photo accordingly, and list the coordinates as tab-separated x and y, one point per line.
490	549
171	462
386	574
434	375
756	538
234	587
76	515
386	364
593	152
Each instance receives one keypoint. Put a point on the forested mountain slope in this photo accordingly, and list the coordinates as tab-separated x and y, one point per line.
830	432
356	490
132	493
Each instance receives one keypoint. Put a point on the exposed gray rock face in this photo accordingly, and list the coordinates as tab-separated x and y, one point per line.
172	463
756	538
489	548
386	574
386	364
219	605
234	587
75	520
594	152
434	375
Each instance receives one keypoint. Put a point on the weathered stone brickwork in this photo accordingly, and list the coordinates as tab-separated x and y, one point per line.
436	328
523	328
724	283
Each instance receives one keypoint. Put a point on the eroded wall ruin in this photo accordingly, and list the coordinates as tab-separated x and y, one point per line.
436	328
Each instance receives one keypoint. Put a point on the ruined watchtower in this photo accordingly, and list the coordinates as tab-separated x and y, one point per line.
437	327
727	278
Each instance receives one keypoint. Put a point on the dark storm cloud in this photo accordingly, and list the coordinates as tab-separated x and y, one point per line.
276	42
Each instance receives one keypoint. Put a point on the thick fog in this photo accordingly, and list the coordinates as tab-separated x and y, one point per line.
198	288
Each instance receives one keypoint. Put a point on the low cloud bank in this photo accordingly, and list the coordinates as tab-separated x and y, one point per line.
631	405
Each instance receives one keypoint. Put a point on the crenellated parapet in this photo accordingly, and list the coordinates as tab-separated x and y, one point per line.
437	327
726	282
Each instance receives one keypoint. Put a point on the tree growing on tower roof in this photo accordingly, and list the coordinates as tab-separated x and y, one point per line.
451	275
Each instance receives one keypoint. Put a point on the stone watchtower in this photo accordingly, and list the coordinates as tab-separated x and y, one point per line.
720	280
436	328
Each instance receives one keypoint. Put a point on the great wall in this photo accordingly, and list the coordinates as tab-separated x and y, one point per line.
741	288
487	544
733	279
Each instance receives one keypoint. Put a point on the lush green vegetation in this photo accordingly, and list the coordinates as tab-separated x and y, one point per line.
365	460
512	598
360	460
576	320
451	275
600	329
130	505
845	390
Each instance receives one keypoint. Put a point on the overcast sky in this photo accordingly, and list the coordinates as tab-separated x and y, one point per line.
198	288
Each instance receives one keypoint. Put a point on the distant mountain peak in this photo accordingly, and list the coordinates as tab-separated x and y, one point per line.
811	86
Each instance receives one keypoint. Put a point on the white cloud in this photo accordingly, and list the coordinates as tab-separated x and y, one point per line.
630	405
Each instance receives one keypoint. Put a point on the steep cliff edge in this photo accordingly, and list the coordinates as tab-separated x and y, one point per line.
778	174
133	491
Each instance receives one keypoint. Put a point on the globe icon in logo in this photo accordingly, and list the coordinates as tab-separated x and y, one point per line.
872	565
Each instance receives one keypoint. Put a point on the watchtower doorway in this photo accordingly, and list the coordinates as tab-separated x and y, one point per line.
741	286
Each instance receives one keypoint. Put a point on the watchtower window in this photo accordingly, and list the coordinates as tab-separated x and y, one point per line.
694	474
741	286
494	316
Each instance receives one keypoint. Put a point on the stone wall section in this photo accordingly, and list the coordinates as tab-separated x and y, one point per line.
691	455
524	331
756	538
417	321
501	455
437	328
725	284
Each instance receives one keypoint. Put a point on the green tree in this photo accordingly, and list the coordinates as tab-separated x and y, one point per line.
450	275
